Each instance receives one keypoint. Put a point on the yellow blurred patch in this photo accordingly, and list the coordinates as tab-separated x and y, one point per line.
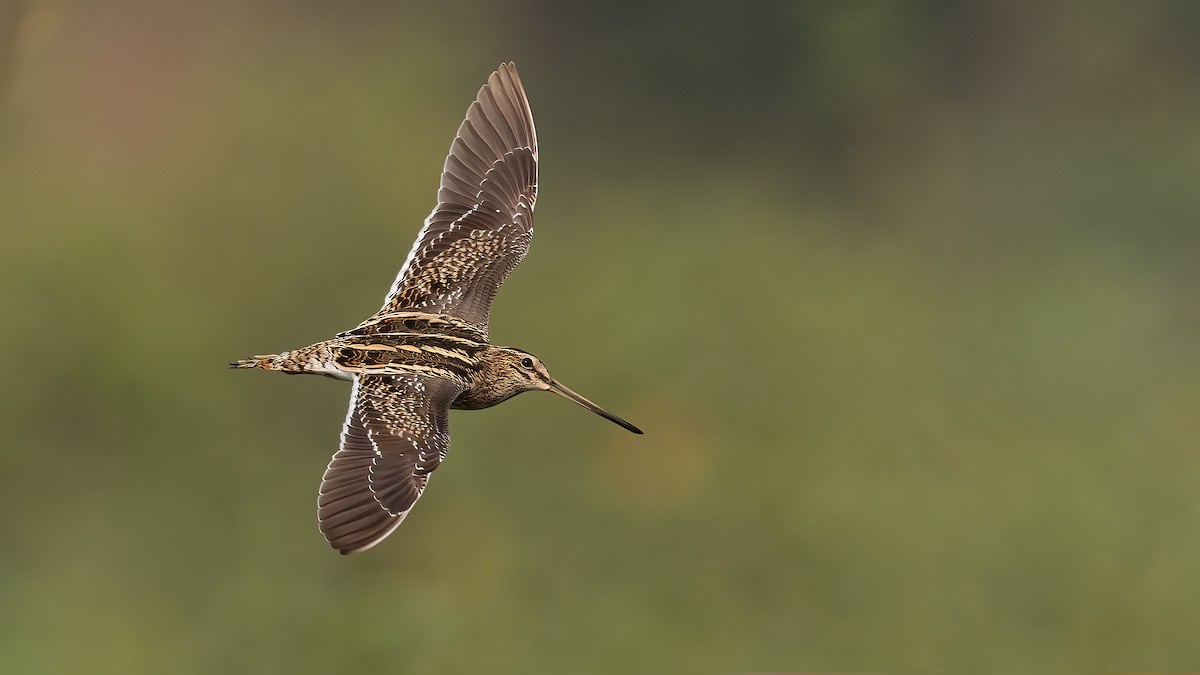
665	470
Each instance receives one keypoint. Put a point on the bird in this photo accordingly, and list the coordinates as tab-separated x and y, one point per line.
427	350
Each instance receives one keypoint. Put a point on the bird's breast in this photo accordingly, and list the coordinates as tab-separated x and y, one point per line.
480	395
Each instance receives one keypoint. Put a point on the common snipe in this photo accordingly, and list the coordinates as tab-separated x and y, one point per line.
427	349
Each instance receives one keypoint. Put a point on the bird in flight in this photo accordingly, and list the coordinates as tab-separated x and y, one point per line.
427	349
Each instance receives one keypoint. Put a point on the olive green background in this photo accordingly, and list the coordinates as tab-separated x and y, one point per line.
904	294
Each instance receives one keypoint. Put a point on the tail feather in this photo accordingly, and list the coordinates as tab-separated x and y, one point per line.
264	361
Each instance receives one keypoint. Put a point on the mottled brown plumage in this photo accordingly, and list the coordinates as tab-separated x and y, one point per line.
427	349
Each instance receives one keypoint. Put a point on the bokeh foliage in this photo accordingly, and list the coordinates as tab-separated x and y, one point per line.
903	293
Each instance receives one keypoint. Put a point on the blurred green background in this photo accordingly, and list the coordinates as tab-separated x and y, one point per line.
904	295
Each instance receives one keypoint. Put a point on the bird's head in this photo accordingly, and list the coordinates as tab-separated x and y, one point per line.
528	373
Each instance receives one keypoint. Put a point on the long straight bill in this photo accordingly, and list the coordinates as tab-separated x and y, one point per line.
559	389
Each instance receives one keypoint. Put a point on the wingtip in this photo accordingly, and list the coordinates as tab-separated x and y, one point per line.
360	545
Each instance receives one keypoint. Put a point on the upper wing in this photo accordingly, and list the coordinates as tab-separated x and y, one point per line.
395	434
483	221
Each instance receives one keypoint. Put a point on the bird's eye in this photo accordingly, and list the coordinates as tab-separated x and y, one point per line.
527	363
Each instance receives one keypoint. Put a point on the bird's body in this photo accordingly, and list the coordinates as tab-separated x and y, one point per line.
408	344
427	350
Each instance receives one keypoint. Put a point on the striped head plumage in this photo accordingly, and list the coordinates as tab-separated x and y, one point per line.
427	349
